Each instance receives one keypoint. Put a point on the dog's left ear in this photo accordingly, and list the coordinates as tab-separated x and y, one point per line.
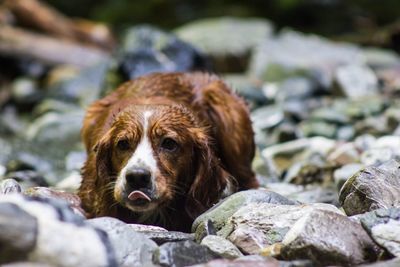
210	178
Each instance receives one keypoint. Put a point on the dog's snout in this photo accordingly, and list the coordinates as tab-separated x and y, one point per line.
138	178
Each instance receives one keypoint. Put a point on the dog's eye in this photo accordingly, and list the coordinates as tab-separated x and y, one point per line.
123	144
169	144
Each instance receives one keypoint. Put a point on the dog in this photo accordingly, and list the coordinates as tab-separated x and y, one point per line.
164	148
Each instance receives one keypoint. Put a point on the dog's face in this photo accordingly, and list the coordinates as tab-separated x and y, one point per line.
155	154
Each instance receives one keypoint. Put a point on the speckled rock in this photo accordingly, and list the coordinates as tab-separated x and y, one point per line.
328	238
372	188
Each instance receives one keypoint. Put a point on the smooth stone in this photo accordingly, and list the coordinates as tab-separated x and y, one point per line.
344	154
25	91
220	213
221	246
9	186
183	253
318	128
47	193
132	248
330	115
258	225
380	58
28	178
328	238
372	188
280	157
267	117
356	81
316	194
146	49
342	174
295	88
18	233
228	41
383	225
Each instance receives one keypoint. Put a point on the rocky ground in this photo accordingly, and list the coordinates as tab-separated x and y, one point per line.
326	117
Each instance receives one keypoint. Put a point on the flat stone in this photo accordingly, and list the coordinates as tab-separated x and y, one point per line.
183	253
221	246
18	232
372	188
259	225
328	238
383	225
131	248
220	213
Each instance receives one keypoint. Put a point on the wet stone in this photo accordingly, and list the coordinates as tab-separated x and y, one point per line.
372	188
328	238
183	253
221	246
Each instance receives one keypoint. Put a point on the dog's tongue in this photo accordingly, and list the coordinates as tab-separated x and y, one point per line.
134	195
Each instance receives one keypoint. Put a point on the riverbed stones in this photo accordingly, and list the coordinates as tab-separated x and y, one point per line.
259	225
221	246
328	238
372	188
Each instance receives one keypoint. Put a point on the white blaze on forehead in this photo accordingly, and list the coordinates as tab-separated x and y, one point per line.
143	156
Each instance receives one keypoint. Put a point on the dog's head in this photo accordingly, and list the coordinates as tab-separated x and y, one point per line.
155	155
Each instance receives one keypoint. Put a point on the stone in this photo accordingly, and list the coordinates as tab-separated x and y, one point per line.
295	88
221	246
342	174
258	225
380	58
312	171
146	49
372	188
220	213
161	237
356	81
228	41
28	178
388	263
183	253
24	91
131	248
47	193
243	262
282	156
17	233
315	194
9	186
267	117
383	225
61	238
328	238
289	55
318	128
344	154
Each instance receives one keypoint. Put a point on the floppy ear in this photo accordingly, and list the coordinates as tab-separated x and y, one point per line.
103	151
210	179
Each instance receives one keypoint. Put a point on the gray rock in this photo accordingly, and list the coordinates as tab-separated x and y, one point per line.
131	248
258	225
28	178
221	246
328	238
247	261
280	157
316	194
289	55
17	233
318	128
311	171
183	253
383	225
344	154
229	41
10	186
161	237
220	213
356	81
146	49
24	91
342	174
388	263
372	188
295	88
267	117
380	58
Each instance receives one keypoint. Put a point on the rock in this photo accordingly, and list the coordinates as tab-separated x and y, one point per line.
221	246
228	41
28	178
161	237
289	55
383	225
342	174
9	186
356	81
220	213
71	183
25	92
380	58
75	160
258	225
314	170
183	253
43	192
59	237
17	233
344	154
280	157
132	248
389	263
267	117
383	149
330	115
243	262
372	188
328	238
364	107
295	88
316	194
318	128
146	49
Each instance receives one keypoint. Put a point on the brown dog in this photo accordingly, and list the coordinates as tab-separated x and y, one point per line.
164	148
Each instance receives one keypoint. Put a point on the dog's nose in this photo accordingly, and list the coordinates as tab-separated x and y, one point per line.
138	178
